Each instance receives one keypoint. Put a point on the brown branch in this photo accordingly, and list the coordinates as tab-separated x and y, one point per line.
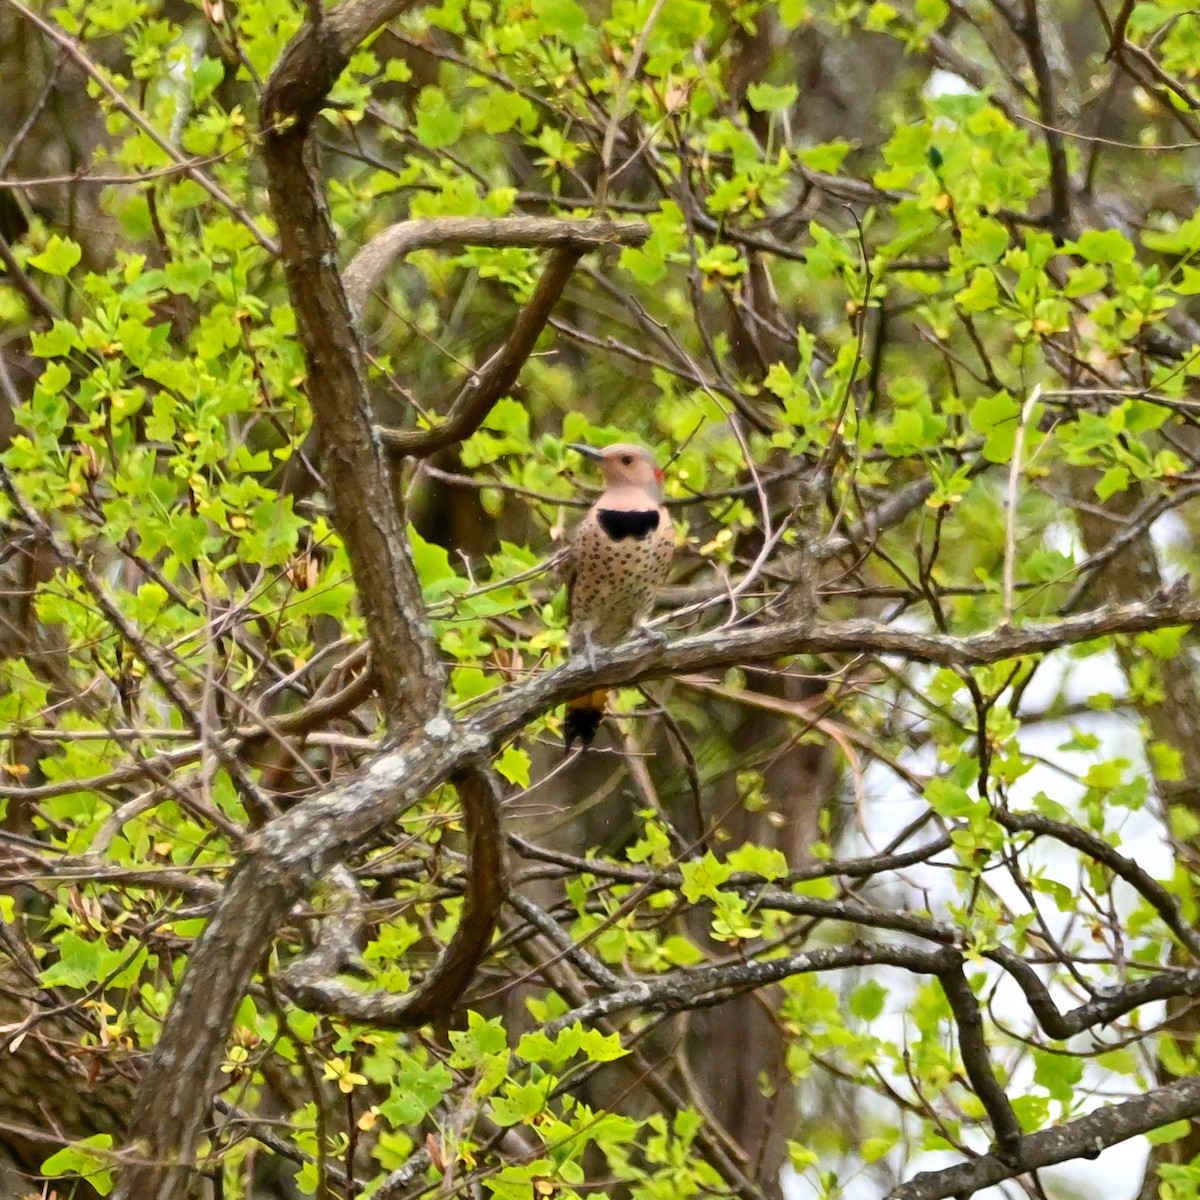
1134	527
1116	29
571	239
704	987
498	374
1082	1138
366	511
1168	984
313	986
1112	1003
292	852
976	1062
445	233
283	862
1166	905
1027	27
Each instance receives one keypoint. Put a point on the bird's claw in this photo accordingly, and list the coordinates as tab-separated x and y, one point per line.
589	653
654	637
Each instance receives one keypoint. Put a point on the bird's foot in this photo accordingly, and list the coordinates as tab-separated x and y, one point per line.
589	652
654	637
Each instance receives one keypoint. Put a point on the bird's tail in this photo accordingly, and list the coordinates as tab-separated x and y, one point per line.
583	716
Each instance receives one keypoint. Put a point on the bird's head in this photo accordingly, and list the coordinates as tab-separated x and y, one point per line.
626	465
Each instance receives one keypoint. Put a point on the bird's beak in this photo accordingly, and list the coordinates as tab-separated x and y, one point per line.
586	451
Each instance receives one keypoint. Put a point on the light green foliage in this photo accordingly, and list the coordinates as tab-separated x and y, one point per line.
821	321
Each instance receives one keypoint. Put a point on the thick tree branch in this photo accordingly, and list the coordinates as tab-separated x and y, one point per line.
283	861
311	985
366	511
290	853
1084	1138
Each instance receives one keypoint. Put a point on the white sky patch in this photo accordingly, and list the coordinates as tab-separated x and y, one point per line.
946	83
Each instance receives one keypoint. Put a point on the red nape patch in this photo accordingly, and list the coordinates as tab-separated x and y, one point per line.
658	474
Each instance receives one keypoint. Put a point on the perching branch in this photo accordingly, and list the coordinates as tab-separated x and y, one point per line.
289	854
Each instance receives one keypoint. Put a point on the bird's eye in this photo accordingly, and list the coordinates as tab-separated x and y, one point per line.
627	459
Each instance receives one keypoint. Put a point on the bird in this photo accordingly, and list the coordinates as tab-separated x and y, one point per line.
618	558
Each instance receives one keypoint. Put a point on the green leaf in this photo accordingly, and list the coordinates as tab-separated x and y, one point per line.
84	1157
867	1000
438	122
874	1148
996	417
207	75
1114	480
416	1090
1058	1074
1104	246
759	860
513	764
59	256
981	294
703	877
81	963
432	563
54	378
501	110
1173	1132
481	1039
563	19
826	157
1083	281
765	97
949	799
932	14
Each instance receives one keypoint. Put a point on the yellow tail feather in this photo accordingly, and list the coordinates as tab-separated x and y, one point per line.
583	716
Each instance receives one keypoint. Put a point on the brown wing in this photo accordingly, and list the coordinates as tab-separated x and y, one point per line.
568	566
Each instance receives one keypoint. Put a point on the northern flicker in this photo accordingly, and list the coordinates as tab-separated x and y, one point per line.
617	560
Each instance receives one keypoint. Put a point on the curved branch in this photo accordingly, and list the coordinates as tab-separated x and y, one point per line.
283	861
473	402
977	1064
1107	1006
313	988
705	987
445	233
1166	905
498	374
